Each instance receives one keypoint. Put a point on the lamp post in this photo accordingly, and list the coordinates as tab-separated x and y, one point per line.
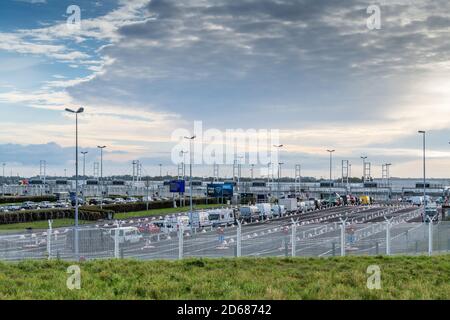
101	174
80	110
84	153
424	170
278	146
183	153
4	181
331	163
191	139
364	168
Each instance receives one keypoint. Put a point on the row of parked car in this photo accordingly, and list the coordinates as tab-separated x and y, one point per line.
30	205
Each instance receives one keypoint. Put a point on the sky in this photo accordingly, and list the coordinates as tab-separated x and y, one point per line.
311	70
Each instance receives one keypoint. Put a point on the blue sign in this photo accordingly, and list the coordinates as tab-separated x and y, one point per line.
218	190
177	186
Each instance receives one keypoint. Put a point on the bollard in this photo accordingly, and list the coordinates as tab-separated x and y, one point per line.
417	246
333	249
448	244
377	248
122	254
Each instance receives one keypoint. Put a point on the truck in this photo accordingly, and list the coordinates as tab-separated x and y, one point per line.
290	204
431	211
278	210
265	211
364	200
249	213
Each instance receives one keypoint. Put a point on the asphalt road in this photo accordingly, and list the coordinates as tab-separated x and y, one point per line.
317	234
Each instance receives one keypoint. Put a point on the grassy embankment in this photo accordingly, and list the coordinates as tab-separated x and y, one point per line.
271	278
69	222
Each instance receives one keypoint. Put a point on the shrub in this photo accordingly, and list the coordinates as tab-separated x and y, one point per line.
142	206
42	215
20	199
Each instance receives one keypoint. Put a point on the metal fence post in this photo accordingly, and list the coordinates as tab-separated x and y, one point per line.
388	238
343	236
49	239
293	237
180	242
116	243
239	239
430	235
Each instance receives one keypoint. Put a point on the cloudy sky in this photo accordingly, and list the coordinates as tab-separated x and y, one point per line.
311	69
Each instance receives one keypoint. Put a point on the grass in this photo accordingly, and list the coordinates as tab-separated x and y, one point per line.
270	278
162	212
58	223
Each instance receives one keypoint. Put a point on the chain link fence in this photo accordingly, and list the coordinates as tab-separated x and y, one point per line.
333	235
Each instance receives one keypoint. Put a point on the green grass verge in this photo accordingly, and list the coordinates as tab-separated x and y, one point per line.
57	223
272	278
162	212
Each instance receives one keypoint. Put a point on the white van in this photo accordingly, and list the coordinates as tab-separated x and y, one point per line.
200	219
219	217
126	234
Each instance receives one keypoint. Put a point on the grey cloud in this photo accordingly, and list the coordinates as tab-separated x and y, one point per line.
213	59
31	155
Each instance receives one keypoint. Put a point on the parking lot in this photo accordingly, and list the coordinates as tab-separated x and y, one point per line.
316	233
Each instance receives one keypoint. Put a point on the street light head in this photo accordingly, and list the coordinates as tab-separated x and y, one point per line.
331	150
101	147
80	110
191	138
421	131
278	145
69	110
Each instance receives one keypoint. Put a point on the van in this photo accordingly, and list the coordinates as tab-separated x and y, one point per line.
126	234
200	219
249	213
220	217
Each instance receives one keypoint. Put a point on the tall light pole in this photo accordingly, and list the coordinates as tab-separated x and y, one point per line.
278	146
84	153
191	139
3	182
364	168
101	174
183	153
80	110
388	178
424	171
160	170
331	164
